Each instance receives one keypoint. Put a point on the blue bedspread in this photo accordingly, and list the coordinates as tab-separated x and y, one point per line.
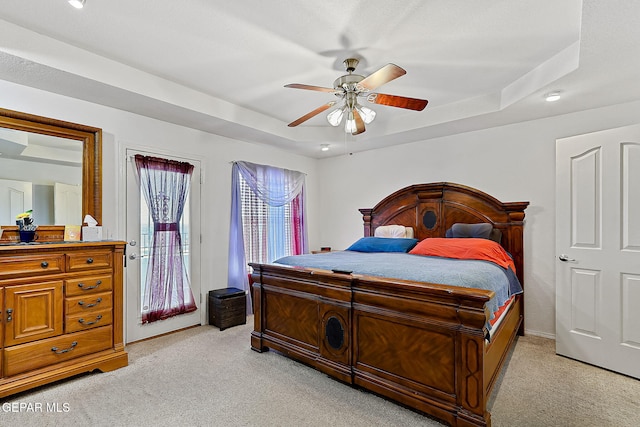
444	271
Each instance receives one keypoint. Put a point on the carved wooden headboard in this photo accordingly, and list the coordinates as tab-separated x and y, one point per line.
431	209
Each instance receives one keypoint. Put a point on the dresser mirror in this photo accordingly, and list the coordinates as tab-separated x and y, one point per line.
51	167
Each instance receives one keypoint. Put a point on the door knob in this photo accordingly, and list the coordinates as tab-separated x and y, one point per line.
565	258
133	256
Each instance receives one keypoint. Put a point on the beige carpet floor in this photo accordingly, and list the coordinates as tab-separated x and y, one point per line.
206	377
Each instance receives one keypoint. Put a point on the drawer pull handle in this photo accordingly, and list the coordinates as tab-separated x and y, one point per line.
82	303
82	321
44	264
66	350
89	260
9	314
86	288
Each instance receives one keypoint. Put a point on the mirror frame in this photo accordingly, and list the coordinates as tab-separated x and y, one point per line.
91	138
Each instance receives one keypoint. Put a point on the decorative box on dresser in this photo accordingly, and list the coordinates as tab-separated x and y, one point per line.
61	311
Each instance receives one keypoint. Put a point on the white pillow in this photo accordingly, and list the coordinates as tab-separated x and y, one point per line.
394	231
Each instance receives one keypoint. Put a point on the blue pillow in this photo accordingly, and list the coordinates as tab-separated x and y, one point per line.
383	244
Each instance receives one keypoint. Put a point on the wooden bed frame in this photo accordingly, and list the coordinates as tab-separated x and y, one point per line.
420	344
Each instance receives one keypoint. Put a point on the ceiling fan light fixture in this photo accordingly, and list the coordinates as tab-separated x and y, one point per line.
349	87
350	125
335	117
366	113
78	4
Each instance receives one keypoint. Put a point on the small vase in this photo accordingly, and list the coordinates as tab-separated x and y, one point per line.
28	236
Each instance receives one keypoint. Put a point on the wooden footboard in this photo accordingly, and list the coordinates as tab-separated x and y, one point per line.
419	344
294	310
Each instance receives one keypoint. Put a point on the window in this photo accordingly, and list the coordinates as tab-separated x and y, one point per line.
269	232
267	218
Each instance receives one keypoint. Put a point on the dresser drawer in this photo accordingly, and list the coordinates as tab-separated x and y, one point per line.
87	303
88	285
80	322
88	260
29	265
34	355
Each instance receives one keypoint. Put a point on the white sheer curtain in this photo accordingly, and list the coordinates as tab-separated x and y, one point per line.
165	184
276	187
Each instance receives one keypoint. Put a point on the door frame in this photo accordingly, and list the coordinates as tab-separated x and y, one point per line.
122	215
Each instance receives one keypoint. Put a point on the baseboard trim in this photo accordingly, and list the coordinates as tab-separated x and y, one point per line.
540	334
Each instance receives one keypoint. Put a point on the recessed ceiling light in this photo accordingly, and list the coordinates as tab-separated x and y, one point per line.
324	147
551	97
78	4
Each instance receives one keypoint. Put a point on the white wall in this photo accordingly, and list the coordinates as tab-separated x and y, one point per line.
512	163
122	129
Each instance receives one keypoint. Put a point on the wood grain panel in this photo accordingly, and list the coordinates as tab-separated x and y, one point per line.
33	312
87	303
89	260
293	317
409	353
88	285
29	265
27	357
83	321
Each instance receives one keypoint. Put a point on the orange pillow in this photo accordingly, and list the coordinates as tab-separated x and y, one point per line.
465	248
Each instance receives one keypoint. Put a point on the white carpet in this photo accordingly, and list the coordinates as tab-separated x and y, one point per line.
205	377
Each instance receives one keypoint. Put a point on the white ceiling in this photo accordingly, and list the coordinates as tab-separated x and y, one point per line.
34	147
222	66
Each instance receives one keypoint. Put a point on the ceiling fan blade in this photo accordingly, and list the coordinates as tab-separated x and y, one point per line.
309	87
359	123
397	101
312	114
383	75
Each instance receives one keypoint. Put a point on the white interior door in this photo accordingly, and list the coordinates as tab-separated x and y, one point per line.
15	198
139	237
598	249
67	204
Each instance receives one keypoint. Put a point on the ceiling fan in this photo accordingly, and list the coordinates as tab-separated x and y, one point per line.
349	88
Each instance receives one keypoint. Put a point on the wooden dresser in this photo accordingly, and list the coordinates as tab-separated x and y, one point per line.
61	312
